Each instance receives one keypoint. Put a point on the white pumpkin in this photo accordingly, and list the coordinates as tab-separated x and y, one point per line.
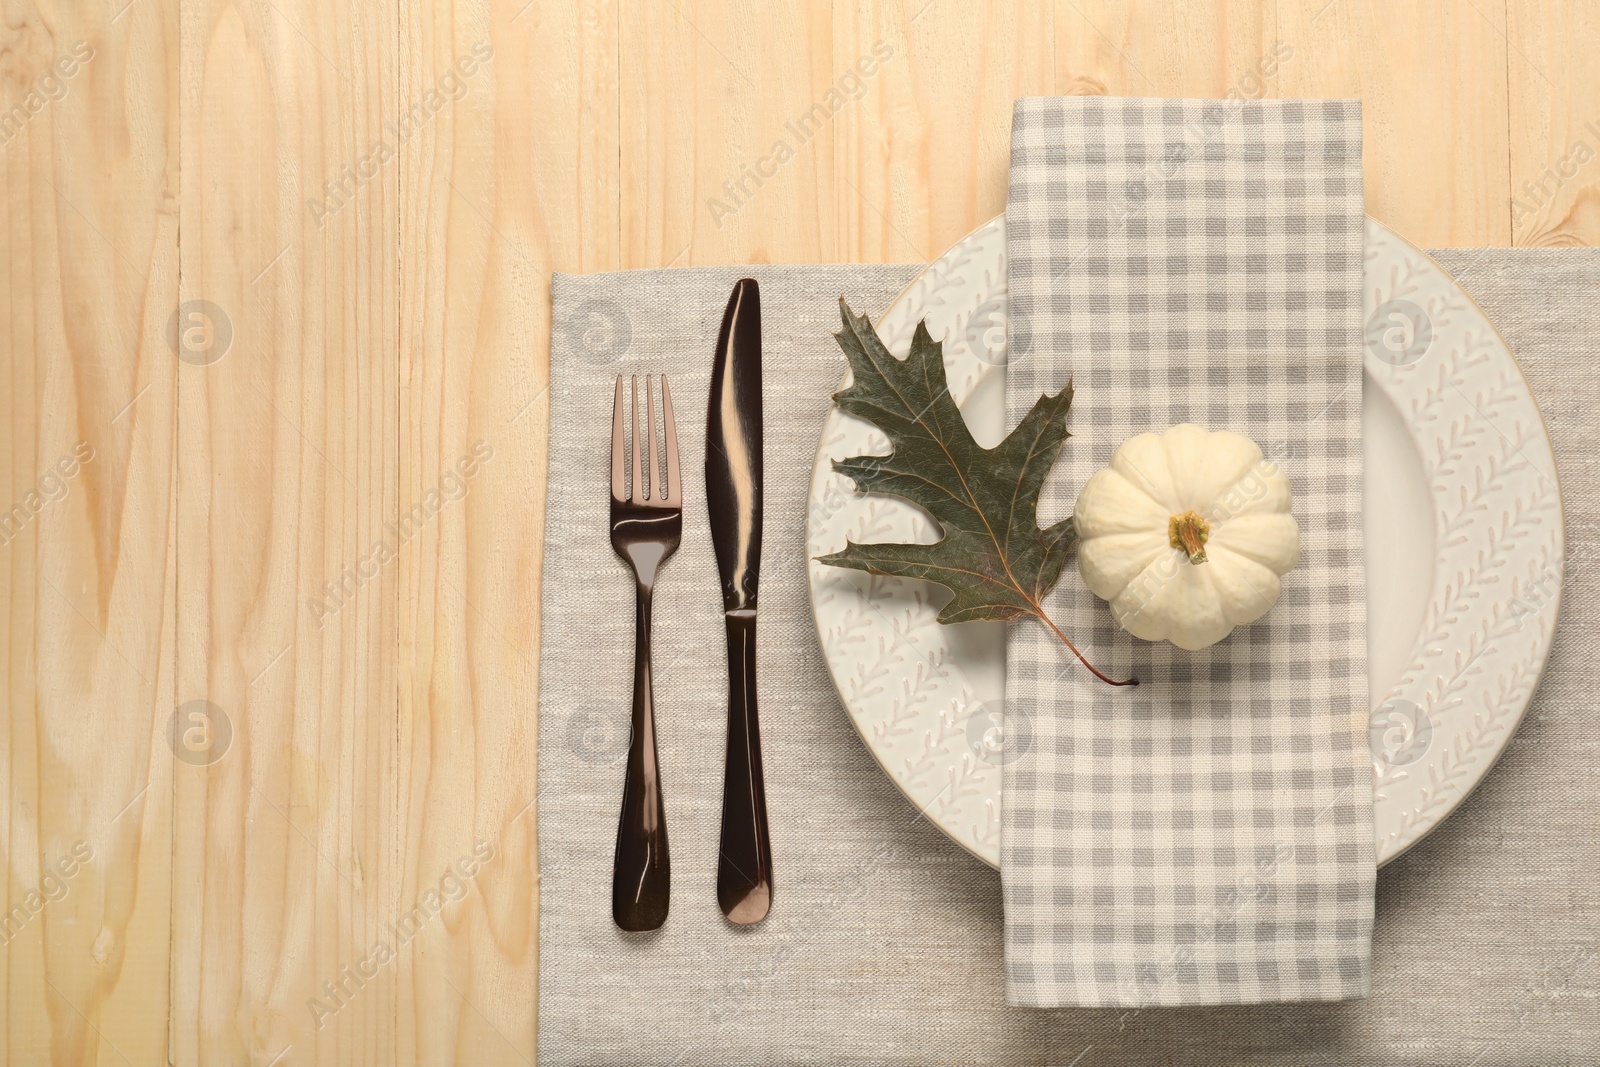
1186	535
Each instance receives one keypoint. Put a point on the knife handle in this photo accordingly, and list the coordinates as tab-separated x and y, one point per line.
641	875
744	862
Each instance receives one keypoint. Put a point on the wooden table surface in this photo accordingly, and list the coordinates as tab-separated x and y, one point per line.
276	325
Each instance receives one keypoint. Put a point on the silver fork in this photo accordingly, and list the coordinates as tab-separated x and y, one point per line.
646	526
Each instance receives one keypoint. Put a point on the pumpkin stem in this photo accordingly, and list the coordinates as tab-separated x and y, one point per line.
1189	532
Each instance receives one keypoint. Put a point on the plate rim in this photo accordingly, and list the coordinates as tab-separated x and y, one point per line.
1561	545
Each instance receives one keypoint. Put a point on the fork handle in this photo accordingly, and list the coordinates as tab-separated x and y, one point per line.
744	861
641	874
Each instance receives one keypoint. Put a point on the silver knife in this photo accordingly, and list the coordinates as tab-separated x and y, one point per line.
733	497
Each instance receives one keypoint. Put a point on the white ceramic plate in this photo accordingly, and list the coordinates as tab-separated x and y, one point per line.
1463	548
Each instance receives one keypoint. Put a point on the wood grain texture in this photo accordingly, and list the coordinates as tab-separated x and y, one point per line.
88	117
286	841
291	532
1154	49
1555	123
1432	80
922	155
488	202
749	185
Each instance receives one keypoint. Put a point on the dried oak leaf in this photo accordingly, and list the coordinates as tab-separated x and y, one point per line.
993	556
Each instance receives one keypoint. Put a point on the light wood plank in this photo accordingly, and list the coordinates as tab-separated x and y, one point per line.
89	271
1432	77
286	870
717	164
1555	123
921	156
517	179
1149	48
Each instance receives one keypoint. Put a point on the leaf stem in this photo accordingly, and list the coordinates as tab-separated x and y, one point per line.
1092	669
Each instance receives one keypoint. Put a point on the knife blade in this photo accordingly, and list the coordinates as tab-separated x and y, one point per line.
733	498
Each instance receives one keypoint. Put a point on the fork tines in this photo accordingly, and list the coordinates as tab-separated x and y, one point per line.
662	489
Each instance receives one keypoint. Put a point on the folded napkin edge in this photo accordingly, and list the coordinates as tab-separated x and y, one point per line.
1273	104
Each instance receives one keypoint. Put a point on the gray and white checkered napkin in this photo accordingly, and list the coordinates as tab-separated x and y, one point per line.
1205	838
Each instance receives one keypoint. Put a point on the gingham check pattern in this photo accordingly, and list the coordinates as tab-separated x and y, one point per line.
1206	837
